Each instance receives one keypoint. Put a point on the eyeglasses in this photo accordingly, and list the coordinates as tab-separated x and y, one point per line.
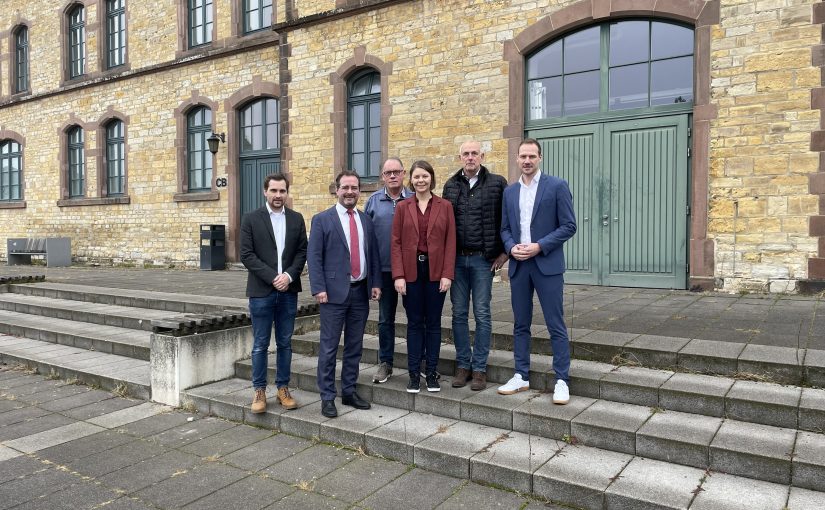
393	173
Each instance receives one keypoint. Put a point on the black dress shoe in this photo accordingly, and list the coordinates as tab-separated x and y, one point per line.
328	408
355	401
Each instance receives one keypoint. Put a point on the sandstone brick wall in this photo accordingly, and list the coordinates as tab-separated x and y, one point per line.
447	81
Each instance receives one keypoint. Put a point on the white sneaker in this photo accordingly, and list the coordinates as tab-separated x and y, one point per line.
514	385
561	394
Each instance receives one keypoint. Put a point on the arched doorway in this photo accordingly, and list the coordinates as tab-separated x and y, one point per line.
611	105
259	149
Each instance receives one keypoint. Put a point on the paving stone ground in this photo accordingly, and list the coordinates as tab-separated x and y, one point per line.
124	454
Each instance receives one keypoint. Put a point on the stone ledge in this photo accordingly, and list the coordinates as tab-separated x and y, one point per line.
197	196
18	204
82	202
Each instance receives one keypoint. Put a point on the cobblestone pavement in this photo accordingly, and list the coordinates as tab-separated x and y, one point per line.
67	446
780	320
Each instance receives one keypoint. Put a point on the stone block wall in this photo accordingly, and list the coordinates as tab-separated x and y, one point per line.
447	74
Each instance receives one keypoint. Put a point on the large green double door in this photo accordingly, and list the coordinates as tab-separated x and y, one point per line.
629	181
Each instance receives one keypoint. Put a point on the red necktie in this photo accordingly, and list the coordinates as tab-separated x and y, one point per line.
354	255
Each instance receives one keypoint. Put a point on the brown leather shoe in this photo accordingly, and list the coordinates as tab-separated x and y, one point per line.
259	401
479	381
286	399
460	378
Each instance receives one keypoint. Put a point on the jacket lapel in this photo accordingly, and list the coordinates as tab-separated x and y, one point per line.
413	214
336	224
268	222
539	193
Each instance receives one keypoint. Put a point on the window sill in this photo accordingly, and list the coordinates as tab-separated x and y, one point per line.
80	202
19	204
366	186
197	196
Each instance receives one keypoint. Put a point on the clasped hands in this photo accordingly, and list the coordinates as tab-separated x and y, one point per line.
401	285
525	251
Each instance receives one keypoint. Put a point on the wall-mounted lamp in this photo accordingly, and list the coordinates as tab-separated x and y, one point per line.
214	140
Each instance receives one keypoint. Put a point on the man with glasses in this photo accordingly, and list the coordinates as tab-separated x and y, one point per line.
476	196
381	208
344	274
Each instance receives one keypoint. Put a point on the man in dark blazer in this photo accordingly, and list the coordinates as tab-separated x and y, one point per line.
537	218
274	250
344	273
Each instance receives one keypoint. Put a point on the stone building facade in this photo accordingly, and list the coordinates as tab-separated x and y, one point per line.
742	206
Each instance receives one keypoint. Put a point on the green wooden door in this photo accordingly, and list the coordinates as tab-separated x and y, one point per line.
253	171
573	153
629	181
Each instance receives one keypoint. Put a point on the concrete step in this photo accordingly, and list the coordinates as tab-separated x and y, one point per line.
108	371
750	401
82	311
180	303
753	450
568	472
784	365
106	339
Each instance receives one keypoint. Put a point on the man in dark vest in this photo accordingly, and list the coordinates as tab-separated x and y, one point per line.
476	196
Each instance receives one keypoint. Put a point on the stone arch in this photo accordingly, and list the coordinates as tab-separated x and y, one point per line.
702	15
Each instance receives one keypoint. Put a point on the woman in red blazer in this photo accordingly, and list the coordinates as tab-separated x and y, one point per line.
423	268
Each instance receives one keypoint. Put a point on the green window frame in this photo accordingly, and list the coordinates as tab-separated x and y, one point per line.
11	171
257	15
21	59
364	123
115	158
260	125
200	22
634	65
77	42
77	162
199	159
115	33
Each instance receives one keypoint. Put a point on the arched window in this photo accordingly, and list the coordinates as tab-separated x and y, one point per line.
77	42
261	128
21	59
260	149
364	123
615	66
257	15
115	33
11	169
200	22
115	158
77	162
199	160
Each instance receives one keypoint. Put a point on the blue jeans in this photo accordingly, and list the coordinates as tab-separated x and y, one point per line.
278	308
424	305
473	278
387	306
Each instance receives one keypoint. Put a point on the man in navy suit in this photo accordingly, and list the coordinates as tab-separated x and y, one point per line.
274	250
537	218
344	272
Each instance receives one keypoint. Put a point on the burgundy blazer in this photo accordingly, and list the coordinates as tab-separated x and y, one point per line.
440	240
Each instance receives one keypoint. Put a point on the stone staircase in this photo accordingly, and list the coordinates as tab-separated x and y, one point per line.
654	436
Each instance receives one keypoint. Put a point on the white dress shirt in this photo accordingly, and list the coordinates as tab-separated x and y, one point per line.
526	202
278	220
344	217
472	180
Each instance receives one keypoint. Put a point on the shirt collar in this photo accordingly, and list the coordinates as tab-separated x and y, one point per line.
268	208
533	183
404	193
342	210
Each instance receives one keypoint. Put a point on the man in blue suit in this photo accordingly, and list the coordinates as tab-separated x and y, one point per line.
537	218
344	272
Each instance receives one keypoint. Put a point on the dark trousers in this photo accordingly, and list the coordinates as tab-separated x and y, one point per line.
550	290
350	318
386	318
423	304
